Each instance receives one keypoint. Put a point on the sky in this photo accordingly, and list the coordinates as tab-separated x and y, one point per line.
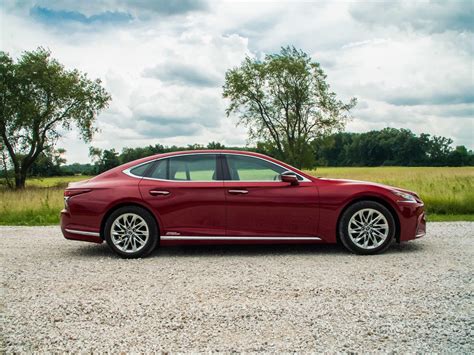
409	63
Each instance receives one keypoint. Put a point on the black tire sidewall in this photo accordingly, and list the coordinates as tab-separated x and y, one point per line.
344	225
152	227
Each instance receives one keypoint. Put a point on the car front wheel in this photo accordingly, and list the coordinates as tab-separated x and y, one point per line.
131	232
367	227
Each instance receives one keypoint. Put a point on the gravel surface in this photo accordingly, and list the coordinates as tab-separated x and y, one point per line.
60	295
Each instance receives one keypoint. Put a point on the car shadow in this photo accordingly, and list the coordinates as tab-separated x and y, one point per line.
244	250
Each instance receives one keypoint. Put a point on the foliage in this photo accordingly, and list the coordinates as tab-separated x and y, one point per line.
40	99
389	146
285	101
48	163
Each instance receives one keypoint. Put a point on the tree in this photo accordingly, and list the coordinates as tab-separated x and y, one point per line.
438	149
104	159
48	163
459	156
39	100
285	100
215	145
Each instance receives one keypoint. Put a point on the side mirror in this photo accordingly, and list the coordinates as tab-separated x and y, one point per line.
289	177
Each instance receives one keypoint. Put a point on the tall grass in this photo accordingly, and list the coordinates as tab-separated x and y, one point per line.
444	190
32	206
447	192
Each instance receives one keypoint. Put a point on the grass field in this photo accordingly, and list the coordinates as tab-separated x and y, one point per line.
447	192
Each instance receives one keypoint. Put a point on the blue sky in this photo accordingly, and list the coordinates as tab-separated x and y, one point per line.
409	63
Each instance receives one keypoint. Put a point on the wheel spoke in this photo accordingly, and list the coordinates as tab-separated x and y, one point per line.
366	241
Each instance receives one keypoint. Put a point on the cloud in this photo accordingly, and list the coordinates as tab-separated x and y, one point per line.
183	74
136	8
165	7
60	16
408	63
431	16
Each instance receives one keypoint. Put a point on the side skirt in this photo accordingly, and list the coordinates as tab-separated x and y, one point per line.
229	238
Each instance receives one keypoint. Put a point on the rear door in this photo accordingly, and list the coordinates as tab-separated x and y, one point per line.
259	204
186	194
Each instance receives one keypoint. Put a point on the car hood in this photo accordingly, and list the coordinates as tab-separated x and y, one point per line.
367	183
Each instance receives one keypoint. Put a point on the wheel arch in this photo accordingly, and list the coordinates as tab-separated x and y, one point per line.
126	204
378	199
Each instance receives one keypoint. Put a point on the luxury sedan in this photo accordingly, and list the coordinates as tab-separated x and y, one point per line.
224	196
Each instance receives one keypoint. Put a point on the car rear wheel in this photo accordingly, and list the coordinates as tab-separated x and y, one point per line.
367	227
131	232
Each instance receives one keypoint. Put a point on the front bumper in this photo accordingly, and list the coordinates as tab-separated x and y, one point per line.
75	232
421	226
412	220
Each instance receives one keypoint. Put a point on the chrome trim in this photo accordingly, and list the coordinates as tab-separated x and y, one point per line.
127	171
158	192
220	237
242	192
75	231
419	235
407	201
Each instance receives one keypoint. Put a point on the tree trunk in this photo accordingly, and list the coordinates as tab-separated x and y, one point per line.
20	179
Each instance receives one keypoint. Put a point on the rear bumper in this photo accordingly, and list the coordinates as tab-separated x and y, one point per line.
75	232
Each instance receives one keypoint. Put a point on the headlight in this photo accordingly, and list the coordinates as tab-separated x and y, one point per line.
405	196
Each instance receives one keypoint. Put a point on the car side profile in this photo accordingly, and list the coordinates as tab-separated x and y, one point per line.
225	196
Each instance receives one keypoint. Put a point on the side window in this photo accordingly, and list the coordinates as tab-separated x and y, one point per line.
186	168
141	169
160	170
246	168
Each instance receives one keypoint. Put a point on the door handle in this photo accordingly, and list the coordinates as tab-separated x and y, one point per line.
238	192
159	192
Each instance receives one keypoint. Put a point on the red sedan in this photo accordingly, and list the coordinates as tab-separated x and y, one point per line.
223	196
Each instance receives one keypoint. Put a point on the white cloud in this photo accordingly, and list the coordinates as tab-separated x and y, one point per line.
165	67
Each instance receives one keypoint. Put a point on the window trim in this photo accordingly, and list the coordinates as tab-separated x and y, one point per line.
221	168
227	170
153	162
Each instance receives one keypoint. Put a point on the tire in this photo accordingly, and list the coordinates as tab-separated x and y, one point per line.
131	232
367	227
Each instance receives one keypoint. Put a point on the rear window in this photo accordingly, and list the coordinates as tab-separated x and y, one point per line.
193	167
141	169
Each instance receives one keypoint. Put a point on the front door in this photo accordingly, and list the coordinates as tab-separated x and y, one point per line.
259	204
186	195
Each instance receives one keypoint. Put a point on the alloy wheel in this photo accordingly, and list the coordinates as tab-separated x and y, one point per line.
368	228
129	232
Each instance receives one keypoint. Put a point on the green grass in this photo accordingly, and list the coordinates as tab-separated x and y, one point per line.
444	190
31	207
447	192
57	181
450	217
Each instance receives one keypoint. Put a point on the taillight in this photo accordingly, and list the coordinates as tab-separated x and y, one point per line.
72	192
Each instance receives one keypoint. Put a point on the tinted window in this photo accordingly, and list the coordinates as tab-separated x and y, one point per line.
160	170
140	170
247	168
186	168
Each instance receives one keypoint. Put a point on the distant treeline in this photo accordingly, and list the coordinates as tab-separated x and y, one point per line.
387	147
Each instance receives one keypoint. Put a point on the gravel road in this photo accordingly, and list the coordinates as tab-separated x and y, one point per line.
60	295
